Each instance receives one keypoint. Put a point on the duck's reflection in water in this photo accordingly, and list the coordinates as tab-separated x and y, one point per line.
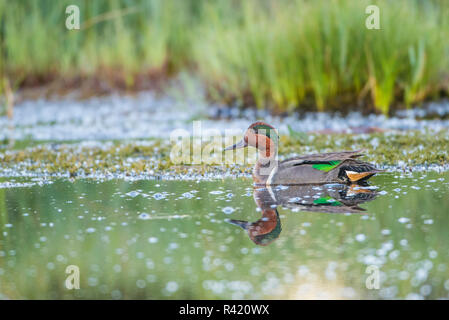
330	198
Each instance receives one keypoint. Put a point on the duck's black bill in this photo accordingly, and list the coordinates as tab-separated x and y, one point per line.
241	144
240	223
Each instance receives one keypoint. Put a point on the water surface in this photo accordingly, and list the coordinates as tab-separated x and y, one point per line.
184	239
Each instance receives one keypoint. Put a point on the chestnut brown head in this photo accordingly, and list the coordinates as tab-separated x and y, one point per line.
263	231
259	135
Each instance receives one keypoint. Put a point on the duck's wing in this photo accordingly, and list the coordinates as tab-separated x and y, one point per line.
318	158
323	168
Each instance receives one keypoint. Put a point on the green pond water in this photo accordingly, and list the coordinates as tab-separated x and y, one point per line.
224	240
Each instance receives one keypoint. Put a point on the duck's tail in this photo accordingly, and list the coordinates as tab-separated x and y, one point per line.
357	172
354	176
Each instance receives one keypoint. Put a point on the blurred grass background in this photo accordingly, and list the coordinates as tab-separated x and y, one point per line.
275	54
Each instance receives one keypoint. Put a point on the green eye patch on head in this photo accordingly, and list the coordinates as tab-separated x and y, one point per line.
266	130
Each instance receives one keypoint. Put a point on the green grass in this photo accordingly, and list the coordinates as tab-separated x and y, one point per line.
281	55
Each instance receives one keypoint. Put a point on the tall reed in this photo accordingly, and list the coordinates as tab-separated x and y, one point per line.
278	54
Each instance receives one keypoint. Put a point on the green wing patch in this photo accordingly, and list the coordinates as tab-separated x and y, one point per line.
326	166
327	200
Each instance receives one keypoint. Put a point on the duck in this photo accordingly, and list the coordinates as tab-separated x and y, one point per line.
319	168
330	198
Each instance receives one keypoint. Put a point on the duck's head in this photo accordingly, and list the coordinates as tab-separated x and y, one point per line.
259	135
263	231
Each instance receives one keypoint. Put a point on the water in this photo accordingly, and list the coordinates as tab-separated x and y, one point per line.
186	240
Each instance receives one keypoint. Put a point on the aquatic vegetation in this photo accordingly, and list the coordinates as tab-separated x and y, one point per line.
280	55
401	150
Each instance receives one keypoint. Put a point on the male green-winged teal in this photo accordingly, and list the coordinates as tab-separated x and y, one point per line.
333	167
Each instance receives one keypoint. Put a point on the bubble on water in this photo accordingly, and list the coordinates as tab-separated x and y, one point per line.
50	266
446	285
141	283
428	221
158	196
133	194
187	195
228	210
144	216
230	266
373	260
403	275
302	271
140	255
42	239
427	264
8	225
116	294
403	220
414	296
330	271
388	292
172	286
421	274
237	295
394	254
387	246
433	254
425	290
90	230
151	278
92	281
216	192
149	264
360	237
173	246
152	239
385	232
